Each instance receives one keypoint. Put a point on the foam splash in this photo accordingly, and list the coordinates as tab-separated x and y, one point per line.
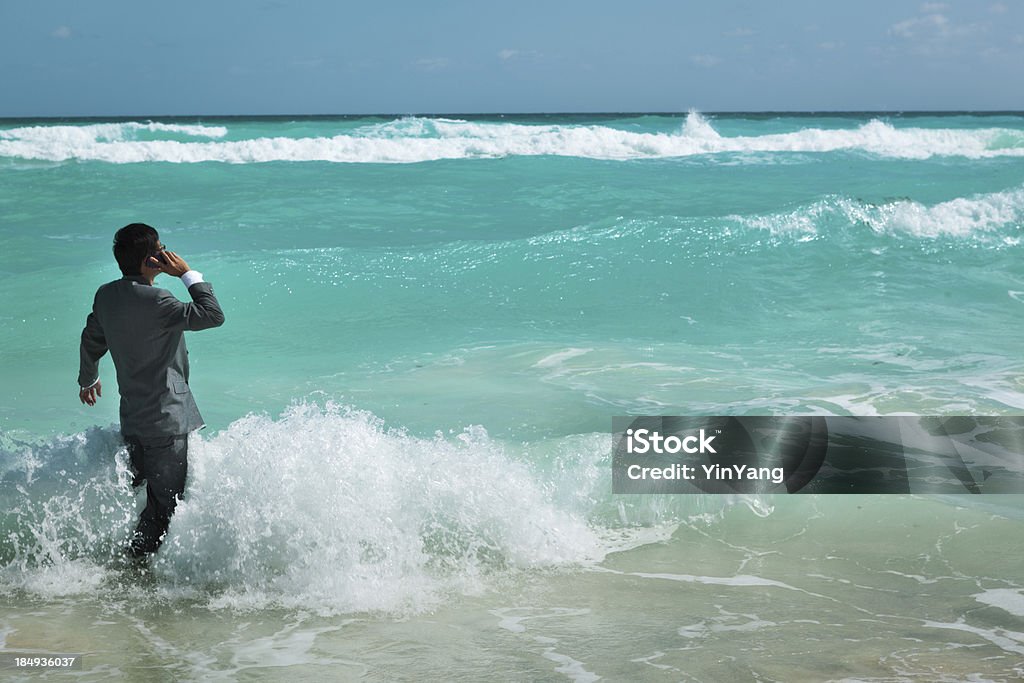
322	509
327	506
413	139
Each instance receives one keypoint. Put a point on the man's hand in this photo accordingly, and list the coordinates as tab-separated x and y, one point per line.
88	395
173	264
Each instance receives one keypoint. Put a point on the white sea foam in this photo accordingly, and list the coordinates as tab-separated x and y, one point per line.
958	217
556	359
354	516
1007	599
105	132
1005	639
414	140
322	509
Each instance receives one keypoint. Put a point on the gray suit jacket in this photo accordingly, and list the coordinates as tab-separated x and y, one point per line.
143	327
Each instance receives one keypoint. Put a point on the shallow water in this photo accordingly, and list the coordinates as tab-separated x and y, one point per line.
430	323
863	587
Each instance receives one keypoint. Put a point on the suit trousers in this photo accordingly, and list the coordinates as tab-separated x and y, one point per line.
163	463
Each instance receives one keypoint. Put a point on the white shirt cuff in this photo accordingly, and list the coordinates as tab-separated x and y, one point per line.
91	385
192	277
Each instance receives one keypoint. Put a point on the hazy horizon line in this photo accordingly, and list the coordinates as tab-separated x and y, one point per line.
726	112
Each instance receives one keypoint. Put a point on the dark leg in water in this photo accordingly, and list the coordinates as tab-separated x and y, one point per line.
163	463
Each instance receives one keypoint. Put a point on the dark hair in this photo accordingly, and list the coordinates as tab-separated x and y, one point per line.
132	244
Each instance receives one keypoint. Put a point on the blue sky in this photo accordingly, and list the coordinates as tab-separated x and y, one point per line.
104	58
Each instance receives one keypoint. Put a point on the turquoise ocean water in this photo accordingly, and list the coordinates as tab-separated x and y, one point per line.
430	323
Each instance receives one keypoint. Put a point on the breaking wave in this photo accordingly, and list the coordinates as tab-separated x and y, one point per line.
415	139
323	509
996	214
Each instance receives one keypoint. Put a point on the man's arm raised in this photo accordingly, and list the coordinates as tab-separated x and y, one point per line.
203	312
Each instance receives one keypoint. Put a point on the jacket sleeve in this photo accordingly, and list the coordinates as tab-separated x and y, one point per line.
202	313
93	346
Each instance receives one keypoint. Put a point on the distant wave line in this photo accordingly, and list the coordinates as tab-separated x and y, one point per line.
415	139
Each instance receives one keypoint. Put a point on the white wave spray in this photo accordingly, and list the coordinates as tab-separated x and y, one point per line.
322	509
412	140
991	215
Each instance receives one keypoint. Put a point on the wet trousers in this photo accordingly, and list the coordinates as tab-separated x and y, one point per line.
162	462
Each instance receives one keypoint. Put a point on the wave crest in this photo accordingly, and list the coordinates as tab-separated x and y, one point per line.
979	216
413	139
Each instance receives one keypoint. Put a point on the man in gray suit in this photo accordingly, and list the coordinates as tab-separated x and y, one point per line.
142	326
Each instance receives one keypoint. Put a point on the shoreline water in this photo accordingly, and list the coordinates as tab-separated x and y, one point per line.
737	607
407	467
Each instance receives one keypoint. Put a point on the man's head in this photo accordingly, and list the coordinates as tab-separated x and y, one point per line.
133	245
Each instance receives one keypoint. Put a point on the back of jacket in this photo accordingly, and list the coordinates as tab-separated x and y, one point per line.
143	327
